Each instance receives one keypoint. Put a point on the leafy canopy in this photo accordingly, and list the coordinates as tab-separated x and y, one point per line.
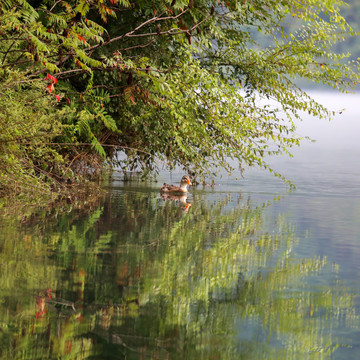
177	81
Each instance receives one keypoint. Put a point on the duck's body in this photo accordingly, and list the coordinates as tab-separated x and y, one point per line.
173	189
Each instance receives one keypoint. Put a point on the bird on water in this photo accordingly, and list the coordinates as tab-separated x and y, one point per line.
185	181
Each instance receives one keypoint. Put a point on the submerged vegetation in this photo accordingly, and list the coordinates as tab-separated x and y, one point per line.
91	83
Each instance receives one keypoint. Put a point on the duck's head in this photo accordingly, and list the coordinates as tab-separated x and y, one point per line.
185	180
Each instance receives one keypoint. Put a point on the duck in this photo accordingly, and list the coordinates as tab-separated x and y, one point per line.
173	189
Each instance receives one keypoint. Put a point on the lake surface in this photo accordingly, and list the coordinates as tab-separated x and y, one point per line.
249	270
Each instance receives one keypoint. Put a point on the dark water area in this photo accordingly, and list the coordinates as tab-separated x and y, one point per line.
246	269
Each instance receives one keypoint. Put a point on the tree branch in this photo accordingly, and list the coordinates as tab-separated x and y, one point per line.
7	52
55	3
129	34
137	46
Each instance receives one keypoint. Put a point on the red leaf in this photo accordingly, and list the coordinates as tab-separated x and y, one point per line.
51	78
81	38
132	99
57	97
48	291
50	88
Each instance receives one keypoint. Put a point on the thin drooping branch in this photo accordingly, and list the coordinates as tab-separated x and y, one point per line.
89	144
130	33
137	46
8	50
55	3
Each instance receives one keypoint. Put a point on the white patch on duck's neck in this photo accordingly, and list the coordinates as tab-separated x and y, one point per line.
183	185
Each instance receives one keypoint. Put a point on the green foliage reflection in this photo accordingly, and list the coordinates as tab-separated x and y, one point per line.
138	278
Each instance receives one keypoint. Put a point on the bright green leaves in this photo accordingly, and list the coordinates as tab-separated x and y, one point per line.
49	35
90	120
195	84
29	123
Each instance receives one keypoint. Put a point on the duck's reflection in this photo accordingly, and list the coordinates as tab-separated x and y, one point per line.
180	200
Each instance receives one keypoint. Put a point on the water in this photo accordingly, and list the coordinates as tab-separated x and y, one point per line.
250	270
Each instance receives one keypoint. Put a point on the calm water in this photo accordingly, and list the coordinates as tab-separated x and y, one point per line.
248	271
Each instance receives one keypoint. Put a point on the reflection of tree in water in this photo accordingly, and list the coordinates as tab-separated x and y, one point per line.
137	278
